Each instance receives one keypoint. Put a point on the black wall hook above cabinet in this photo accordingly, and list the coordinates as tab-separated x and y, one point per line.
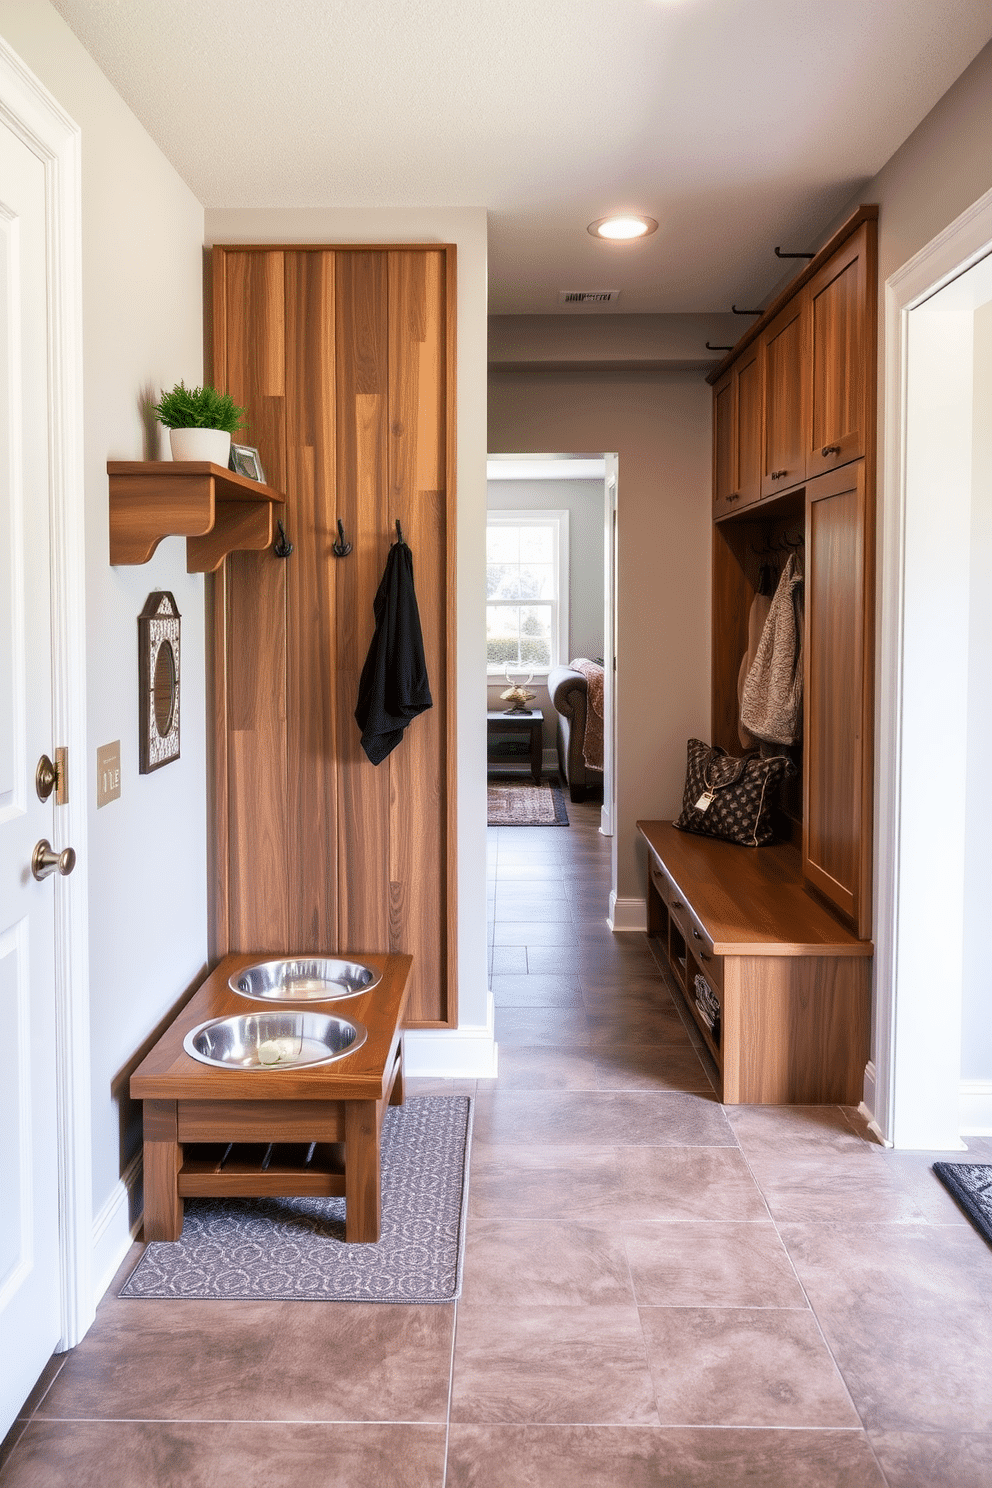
399	532
341	548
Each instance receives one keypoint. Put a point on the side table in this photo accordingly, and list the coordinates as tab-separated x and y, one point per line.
514	726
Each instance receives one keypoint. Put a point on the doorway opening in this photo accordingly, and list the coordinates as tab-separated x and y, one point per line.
550	610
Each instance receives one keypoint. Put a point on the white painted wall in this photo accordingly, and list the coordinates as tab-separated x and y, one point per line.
142	327
583	499
472	1051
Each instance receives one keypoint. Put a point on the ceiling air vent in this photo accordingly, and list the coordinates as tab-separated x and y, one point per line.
587	296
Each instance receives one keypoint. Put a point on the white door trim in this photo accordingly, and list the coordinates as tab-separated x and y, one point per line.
608	813
30	111
904	1022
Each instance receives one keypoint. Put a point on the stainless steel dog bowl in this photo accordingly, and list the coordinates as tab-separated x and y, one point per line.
304	979
283	1039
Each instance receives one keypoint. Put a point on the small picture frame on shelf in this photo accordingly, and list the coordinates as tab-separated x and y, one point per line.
244	460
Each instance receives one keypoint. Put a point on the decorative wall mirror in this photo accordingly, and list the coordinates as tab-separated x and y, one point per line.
158	682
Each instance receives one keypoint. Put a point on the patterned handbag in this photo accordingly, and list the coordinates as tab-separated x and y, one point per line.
729	797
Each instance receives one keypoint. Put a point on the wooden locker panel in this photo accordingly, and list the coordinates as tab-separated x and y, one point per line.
836	795
841	333
361	403
311	573
418	497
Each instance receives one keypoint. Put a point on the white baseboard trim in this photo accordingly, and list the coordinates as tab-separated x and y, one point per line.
627	914
867	1106
976	1108
451	1054
115	1227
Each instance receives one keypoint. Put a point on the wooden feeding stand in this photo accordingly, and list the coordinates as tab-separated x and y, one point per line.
271	1131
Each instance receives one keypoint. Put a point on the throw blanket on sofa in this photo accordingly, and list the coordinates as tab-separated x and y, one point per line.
592	744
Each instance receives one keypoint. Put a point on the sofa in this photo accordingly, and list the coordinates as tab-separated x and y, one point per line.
569	691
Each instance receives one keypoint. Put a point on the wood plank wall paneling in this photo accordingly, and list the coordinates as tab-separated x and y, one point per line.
362	332
311	695
345	358
256	622
417	911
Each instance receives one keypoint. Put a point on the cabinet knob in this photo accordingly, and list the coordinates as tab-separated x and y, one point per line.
696	935
778	474
830	449
734	496
677	905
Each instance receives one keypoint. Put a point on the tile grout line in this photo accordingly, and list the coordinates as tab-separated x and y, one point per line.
451	1378
815	1315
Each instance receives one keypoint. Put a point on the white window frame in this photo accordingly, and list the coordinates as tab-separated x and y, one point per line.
535	517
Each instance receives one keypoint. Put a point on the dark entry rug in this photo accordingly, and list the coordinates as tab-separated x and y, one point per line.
294	1249
971	1185
515	801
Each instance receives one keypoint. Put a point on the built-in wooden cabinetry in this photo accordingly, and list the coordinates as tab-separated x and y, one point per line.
793	470
790	983
344	358
737	413
815	348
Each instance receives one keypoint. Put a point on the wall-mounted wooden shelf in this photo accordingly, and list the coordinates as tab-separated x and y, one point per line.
215	510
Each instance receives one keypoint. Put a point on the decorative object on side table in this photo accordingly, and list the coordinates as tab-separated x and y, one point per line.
200	422
245	460
517	694
158	682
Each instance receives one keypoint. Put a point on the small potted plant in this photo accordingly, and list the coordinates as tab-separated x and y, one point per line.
200	422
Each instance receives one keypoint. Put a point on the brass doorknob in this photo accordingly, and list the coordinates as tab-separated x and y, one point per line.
45	860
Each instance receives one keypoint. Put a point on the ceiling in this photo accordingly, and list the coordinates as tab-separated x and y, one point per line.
738	124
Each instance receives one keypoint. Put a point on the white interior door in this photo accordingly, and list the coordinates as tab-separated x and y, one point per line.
30	1287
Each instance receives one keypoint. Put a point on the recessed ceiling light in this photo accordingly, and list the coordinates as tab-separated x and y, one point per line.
623	227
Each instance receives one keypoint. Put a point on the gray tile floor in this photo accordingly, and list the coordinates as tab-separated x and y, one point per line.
658	1291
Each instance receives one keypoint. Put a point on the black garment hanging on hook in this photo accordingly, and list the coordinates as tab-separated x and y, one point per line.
394	686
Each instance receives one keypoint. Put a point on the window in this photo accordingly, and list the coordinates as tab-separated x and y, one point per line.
526	590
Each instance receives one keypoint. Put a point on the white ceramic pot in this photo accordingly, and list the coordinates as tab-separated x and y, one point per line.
201	444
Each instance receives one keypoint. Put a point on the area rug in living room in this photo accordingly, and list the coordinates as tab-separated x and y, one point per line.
971	1185
294	1249
515	801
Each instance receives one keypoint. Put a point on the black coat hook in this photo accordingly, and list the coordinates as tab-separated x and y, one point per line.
746	312
399	531
718	348
282	547
341	548
780	254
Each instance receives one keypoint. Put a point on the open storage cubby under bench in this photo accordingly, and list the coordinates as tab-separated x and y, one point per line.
792	984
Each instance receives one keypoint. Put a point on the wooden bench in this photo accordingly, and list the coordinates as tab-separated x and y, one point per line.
271	1132
793	985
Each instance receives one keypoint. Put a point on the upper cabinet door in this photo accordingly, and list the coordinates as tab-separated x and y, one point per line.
785	359
841	311
737	409
725	492
750	406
